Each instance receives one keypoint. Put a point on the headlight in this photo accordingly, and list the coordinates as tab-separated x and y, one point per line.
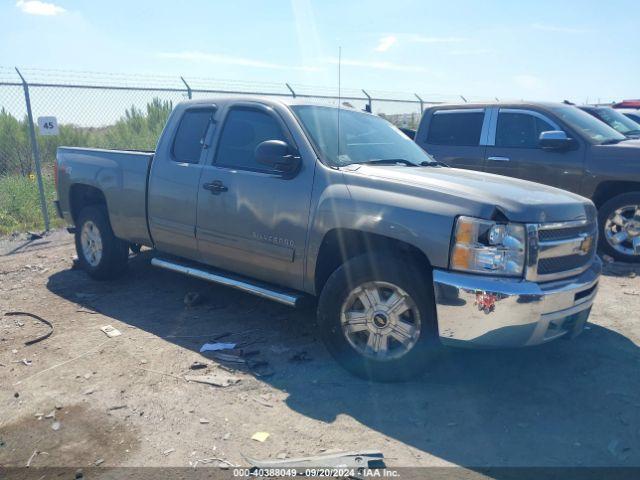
485	246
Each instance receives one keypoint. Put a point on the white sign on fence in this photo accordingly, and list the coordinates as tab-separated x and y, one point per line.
48	125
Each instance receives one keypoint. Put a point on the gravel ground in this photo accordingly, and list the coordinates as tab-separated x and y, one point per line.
81	398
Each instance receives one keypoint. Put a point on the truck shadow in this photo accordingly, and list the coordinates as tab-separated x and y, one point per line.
568	403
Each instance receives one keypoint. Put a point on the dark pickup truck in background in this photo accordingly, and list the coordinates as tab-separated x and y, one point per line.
289	200
551	143
615	119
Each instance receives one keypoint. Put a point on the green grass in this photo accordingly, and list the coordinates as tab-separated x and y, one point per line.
20	204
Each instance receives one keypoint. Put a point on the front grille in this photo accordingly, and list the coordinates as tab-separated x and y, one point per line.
564	233
562	264
557	253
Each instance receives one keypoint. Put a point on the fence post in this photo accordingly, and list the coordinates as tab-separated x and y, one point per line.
291	90
421	102
368	108
188	87
36	151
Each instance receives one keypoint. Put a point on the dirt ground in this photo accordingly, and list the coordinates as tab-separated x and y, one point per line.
83	399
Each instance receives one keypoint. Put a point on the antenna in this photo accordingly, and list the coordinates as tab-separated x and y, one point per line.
339	101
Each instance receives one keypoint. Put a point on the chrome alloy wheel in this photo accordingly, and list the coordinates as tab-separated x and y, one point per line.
91	242
380	320
622	230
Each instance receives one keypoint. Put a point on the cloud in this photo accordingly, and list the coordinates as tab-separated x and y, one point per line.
385	43
423	39
529	82
558	29
36	7
376	65
221	59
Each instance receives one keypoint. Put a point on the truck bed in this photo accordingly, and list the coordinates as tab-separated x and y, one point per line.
121	175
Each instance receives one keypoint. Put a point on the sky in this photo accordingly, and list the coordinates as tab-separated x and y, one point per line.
537	50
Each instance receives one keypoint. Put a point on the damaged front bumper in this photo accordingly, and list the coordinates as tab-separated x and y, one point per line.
478	311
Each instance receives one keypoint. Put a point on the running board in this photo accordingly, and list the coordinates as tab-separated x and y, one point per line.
222	278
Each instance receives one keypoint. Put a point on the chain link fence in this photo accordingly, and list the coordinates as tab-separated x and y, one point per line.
126	112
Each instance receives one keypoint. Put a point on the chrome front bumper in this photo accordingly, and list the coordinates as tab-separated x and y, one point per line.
480	311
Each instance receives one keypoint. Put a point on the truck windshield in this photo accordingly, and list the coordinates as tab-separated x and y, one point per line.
362	138
617	121
598	132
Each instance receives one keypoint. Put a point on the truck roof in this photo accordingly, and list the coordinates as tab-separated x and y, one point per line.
504	104
268	100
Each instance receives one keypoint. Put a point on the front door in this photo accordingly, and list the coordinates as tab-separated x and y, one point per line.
516	152
253	220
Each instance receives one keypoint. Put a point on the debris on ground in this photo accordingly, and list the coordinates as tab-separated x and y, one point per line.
168	451
111	331
218	379
55	426
37	317
263	402
260	436
214	347
33	455
24	361
227	357
366	460
204	421
116	407
197	366
98	462
191	299
221	462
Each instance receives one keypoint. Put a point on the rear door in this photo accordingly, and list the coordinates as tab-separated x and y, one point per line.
173	183
454	136
254	222
514	150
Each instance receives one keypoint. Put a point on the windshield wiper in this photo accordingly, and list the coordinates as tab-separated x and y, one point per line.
388	161
433	163
612	141
633	132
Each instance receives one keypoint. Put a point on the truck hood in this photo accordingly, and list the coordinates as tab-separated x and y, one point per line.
627	152
476	193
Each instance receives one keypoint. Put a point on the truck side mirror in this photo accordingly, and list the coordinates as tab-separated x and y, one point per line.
555	140
278	156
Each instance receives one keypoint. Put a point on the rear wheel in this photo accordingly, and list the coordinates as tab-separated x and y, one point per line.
100	253
377	318
619	220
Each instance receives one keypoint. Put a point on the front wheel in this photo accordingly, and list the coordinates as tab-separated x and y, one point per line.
100	253
619	220
377	317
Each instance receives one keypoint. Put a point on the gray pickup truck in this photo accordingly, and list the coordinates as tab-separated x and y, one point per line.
551	143
288	201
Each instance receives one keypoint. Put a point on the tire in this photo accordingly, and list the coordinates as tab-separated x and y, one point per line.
100	253
621	205
388	272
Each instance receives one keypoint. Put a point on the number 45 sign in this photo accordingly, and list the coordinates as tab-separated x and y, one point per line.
48	126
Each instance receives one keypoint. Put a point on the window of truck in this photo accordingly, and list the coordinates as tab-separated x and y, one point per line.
456	127
189	138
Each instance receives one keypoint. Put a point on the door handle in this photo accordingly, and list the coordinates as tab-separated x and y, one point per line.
499	159
216	187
